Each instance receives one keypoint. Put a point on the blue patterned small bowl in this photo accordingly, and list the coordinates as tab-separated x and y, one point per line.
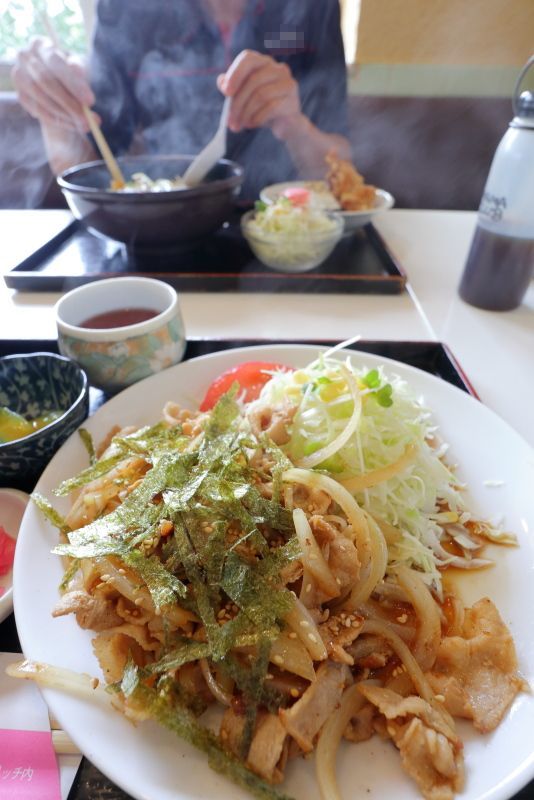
32	385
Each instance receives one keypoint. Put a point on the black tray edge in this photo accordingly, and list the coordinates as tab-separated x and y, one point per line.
23	277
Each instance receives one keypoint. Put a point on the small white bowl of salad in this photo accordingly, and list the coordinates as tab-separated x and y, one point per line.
290	235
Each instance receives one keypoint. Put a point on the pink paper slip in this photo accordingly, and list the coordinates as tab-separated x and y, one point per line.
28	766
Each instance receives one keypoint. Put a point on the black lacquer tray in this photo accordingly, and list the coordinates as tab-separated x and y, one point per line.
432	357
360	263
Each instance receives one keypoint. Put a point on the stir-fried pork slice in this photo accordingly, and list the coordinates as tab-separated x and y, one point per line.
273	421
94	612
306	717
431	752
477	672
361	726
113	650
266	748
339	552
338	633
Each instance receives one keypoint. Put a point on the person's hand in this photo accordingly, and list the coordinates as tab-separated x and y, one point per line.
51	86
263	92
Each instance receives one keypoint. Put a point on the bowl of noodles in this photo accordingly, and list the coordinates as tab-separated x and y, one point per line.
155	209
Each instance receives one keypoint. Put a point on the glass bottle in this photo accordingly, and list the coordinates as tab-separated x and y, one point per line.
500	263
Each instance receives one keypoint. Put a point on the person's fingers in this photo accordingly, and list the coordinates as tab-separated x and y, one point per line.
45	115
265	113
237	73
39	102
271	95
56	84
256	82
71	76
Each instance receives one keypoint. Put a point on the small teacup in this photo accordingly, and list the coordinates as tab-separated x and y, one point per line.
115	357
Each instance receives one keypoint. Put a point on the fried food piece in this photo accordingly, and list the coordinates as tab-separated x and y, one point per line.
348	186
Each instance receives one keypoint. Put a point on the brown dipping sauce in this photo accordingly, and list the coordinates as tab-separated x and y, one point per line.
119	317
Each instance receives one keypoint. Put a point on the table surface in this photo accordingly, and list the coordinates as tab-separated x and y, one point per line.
494	348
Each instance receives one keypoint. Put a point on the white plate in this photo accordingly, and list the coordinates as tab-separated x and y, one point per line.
12	506
152	764
324	200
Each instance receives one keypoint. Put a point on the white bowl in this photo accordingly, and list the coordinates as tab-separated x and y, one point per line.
323	199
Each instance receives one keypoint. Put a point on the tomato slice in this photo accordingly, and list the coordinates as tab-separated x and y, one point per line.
251	377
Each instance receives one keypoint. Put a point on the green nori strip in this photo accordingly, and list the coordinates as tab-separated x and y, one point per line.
130	677
46	508
69	574
265	694
162	585
145	441
253	695
183	652
92	472
182	722
88	443
254	594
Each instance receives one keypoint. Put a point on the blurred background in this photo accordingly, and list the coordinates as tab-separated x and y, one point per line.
430	86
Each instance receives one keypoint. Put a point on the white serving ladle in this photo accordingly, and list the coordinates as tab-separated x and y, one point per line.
214	150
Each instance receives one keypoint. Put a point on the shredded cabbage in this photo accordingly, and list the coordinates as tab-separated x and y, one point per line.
285	218
391	419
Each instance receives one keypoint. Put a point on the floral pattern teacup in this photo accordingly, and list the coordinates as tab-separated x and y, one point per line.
114	358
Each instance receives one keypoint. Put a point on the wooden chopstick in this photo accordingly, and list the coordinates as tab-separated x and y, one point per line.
118	181
117	177
61	741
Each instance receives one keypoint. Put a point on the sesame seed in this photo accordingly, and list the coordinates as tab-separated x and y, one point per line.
312	638
338	581
122	571
308	588
105	578
304	623
138	601
294	693
278	660
292	635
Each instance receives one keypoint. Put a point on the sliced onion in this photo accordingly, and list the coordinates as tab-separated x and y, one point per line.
302	623
329	738
313	561
369	479
307	462
425	648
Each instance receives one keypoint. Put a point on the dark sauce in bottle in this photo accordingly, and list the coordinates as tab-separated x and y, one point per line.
497	271
119	317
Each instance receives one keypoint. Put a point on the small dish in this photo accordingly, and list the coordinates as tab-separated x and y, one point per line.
290	252
117	356
33	385
322	198
12	507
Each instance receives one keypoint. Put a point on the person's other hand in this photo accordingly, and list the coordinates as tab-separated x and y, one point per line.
51	86
263	92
